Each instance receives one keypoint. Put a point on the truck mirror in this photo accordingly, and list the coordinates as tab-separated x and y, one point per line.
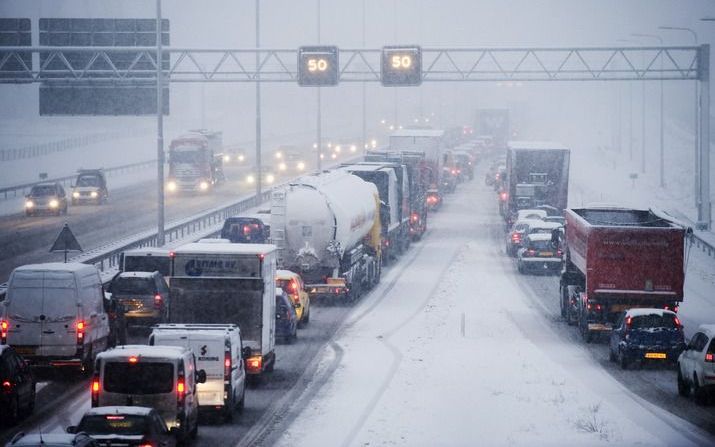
246	352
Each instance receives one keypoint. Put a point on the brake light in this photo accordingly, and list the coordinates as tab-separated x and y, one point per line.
94	390
157	300
181	387
629	321
294	286
559	252
7	386
415	217
503	196
677	321
708	358
254	364
515	237
227	365
80	326
3	331
133	359
112	417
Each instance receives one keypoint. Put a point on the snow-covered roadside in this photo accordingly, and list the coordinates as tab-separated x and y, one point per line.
450	351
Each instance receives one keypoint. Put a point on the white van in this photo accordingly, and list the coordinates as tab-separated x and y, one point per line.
54	314
219	351
159	377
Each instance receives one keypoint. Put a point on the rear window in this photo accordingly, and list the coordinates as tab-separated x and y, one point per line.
541	245
138	286
138	378
159	264
665	321
116	424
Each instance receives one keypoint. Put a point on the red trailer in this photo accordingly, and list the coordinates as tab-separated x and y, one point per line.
618	259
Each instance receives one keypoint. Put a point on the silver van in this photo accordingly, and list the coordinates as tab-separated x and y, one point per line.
219	352
159	377
54	314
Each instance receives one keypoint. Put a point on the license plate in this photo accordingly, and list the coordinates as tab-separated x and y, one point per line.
655	355
25	350
546	253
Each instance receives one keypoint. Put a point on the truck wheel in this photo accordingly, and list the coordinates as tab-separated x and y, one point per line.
562	302
683	386
585	333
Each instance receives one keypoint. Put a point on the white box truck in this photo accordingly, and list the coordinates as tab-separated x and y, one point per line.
225	283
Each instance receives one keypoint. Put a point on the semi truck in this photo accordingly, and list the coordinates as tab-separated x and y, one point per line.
195	161
225	283
618	259
418	184
537	173
327	228
494	123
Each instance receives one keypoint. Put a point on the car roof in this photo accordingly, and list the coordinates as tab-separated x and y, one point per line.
145	275
648	311
56	266
148	251
44	184
539	237
708	329
152	352
125	410
528	221
225	248
208	329
34	439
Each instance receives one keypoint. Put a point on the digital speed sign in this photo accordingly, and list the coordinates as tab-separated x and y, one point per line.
317	66
401	66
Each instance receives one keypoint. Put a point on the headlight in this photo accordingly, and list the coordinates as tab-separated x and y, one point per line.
334	156
353	148
300	166
282	167
75	195
250	179
29	204
203	186
270	178
279	155
171	186
93	194
54	203
226	158
241	158
338	148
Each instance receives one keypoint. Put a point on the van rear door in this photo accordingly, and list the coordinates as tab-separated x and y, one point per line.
24	309
60	308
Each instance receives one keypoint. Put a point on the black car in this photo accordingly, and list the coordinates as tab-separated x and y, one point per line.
647	335
17	398
245	230
46	198
143	296
111	426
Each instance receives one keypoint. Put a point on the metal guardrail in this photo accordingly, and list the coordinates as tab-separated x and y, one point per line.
16	190
37	150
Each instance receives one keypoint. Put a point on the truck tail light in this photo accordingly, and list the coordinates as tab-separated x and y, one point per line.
254	364
3	331
158	301
227	365
94	390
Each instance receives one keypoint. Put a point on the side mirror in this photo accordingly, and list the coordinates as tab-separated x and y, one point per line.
246	352
201	376
72	429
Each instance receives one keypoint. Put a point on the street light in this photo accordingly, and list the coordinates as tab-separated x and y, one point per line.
630	109
694	35
662	147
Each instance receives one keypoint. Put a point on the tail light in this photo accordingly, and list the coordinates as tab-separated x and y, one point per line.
516	237
559	252
227	366
709	357
415	217
3	331
531	252
94	390
180	391
80	327
503	196
676	320
254	364
6	386
629	321
158	301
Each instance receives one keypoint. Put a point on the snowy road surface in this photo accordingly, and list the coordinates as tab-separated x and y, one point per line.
450	350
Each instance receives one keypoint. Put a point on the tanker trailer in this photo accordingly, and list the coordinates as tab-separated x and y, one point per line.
327	229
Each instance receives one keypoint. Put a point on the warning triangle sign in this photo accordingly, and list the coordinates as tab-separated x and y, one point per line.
65	241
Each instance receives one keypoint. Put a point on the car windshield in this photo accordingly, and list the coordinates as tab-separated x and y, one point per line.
88	180
188	156
139	286
139	377
161	264
43	190
650	321
114	424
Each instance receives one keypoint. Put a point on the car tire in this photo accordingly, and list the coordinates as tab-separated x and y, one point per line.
611	355
698	392
194	431
306	318
241	405
12	414
622	359
683	386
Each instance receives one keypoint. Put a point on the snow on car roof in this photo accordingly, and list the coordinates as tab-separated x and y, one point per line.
536	145
147	251
537	237
194	327
545	224
284	273
530	222
708	329
648	311
225	248
136	274
56	267
103	411
147	351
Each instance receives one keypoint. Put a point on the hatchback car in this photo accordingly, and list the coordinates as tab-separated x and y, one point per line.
90	187
286	318
52	440
517	234
696	365
144	297
46	198
539	253
646	335
111	426
18	387
292	284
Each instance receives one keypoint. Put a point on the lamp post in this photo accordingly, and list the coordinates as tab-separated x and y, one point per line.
259	161
159	130
694	35
662	144
630	109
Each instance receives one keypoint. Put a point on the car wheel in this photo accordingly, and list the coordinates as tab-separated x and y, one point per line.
698	392
611	355
228	409
13	414
683	386
194	431
622	359
241	403
306	319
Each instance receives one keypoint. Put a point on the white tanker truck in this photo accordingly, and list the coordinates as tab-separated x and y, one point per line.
327	229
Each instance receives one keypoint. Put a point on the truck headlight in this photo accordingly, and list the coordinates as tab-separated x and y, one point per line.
54	203
282	167
75	194
171	186
203	186
301	166
250	179
226	158
270	178
93	194
29	204
241	158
